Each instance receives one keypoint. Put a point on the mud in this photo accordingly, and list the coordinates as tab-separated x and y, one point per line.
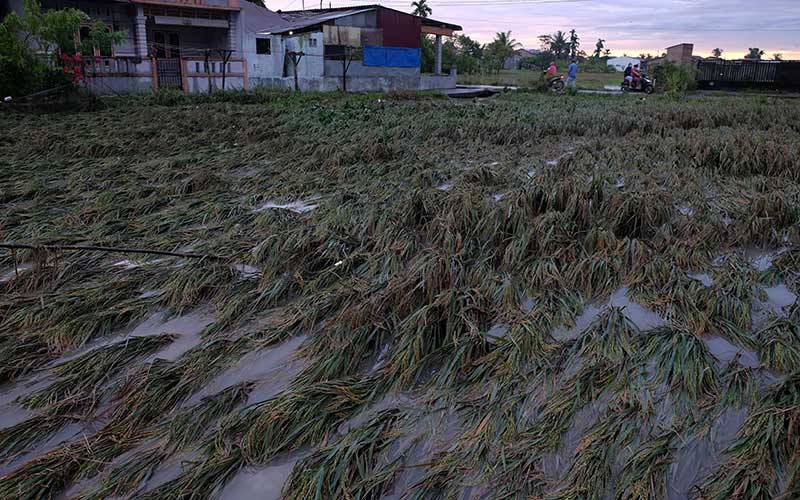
726	352
702	455
263	483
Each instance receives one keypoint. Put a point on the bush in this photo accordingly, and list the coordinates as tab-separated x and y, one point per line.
23	68
674	79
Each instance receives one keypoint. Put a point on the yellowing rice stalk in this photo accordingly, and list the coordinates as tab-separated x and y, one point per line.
524	297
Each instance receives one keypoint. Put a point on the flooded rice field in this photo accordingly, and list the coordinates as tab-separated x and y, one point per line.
523	297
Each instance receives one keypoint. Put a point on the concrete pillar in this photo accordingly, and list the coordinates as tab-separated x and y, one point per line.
438	64
140	32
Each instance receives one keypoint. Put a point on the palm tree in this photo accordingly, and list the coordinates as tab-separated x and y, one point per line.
716	52
777	56
421	8
755	53
503	39
574	43
607	52
559	44
598	47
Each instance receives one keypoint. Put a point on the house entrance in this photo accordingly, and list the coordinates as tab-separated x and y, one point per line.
167	48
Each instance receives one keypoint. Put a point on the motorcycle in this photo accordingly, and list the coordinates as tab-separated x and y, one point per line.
646	85
556	84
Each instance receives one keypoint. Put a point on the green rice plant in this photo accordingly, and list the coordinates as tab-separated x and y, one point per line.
611	338
204	480
266	429
559	410
187	427
88	372
644	473
764	446
739	386
732	292
353	466
684	364
25	435
48	474
596	274
640	214
779	345
590	475
128	476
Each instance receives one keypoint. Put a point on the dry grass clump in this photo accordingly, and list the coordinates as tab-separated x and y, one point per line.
460	255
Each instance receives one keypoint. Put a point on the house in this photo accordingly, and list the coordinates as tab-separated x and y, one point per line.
681	53
196	44
620	63
181	44
359	48
520	55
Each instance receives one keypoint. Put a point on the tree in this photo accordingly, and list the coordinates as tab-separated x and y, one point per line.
716	52
500	49
755	53
607	53
421	8
27	41
598	48
559	45
574	43
777	56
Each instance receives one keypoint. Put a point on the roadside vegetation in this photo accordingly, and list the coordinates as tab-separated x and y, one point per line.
527	296
587	80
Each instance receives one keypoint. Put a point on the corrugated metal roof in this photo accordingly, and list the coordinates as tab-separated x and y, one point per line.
301	19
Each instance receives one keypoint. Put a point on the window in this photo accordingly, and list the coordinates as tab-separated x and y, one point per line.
263	46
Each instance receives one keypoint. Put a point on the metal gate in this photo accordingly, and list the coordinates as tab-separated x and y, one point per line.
169	73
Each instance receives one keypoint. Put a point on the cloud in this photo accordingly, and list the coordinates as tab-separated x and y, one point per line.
628	25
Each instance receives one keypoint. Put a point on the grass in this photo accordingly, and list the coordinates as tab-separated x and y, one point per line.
526	78
458	264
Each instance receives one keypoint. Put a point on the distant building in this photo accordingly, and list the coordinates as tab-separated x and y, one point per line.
678	54
620	63
520	55
681	53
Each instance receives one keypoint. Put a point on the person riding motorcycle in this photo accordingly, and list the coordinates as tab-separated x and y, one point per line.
637	77
629	74
551	73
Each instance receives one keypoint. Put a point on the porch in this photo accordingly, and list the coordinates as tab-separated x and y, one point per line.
121	74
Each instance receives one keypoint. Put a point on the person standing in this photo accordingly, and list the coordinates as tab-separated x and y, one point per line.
572	75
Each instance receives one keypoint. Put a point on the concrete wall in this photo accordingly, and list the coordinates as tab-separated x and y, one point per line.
266	66
119	84
362	84
357	69
200	83
437	82
312	65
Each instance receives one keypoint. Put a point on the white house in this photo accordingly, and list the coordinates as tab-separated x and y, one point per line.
193	44
620	63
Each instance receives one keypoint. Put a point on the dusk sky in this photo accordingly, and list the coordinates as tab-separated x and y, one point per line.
632	27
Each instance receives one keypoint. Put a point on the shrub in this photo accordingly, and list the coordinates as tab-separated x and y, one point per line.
674	79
